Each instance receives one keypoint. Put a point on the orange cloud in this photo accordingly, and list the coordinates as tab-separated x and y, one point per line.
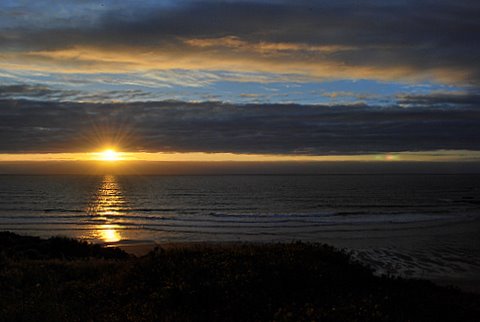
264	47
226	53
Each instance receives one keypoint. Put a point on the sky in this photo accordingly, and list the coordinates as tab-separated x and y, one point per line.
260	80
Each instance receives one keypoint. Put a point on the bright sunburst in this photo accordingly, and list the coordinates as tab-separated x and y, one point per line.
110	155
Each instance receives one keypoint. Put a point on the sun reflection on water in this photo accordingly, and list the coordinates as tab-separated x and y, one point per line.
107	207
109	234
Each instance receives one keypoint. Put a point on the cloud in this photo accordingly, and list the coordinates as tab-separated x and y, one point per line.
265	48
441	99
343	94
32	91
408	40
44	93
84	56
174	126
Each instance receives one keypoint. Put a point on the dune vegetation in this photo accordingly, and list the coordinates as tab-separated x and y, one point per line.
61	279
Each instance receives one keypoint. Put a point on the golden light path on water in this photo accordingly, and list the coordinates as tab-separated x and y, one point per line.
108	202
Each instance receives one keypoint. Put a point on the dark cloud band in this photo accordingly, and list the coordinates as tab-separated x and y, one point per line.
36	126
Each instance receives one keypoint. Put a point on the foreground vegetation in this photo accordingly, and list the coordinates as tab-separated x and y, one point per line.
65	280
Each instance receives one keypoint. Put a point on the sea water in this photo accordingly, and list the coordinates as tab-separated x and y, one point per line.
413	225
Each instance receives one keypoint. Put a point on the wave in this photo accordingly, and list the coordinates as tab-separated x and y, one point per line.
234	232
220	220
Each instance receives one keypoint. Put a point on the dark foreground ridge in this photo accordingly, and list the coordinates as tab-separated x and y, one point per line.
65	280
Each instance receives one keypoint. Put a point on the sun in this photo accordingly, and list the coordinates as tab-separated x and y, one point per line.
110	155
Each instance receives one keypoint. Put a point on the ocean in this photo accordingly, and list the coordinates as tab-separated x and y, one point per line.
409	225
